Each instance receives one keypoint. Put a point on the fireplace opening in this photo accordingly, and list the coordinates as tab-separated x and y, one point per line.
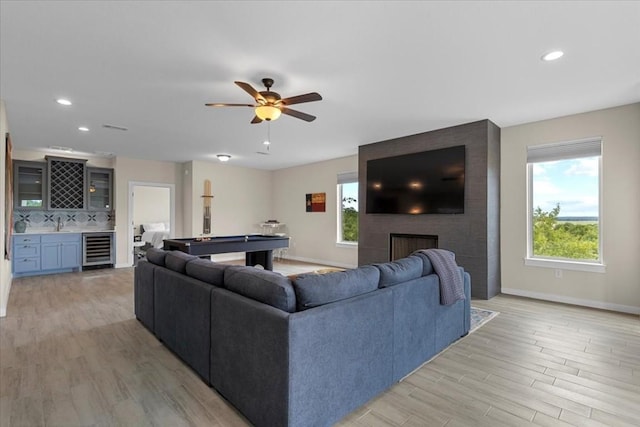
403	245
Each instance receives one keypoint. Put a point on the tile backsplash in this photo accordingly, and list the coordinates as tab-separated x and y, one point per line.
40	219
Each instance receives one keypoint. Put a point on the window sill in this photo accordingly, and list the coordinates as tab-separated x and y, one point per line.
565	265
353	245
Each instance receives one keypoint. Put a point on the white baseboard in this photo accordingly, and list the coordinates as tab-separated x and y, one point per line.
320	261
574	301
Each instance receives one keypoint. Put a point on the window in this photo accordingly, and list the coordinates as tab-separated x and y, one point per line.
564	204
348	208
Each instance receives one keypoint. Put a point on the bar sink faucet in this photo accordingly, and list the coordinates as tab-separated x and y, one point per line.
59	225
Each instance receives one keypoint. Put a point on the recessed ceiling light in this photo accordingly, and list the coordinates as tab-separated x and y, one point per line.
223	157
63	101
553	55
266	143
83	129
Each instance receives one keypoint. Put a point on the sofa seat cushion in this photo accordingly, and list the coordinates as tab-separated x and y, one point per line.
156	256
399	271
207	271
261	285
313	290
177	261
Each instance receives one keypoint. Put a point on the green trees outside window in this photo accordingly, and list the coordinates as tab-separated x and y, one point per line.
349	220
576	240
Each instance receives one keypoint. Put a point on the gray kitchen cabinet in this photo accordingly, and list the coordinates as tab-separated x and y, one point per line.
29	189
99	189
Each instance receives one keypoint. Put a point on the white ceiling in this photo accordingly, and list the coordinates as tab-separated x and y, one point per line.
384	69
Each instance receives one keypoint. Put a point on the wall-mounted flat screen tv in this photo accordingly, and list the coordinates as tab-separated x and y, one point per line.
429	182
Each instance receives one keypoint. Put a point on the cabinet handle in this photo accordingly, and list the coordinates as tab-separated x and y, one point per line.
27	240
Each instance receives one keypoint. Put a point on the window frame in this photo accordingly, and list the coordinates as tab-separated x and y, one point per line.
596	266
344	178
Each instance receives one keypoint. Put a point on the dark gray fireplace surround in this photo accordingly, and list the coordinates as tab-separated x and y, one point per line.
475	235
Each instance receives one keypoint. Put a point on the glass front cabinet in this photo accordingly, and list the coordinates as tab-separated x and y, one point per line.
29	184
99	189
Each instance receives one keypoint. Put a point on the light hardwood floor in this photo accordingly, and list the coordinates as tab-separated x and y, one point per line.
72	353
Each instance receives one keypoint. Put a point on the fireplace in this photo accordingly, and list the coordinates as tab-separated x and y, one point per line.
402	245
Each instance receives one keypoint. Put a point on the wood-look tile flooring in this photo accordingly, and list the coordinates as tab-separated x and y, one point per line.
72	353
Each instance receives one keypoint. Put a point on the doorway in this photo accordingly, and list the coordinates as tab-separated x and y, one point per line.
150	203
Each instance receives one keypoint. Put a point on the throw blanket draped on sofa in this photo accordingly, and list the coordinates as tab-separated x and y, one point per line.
444	264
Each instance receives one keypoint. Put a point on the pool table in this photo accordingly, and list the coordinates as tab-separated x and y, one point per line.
258	247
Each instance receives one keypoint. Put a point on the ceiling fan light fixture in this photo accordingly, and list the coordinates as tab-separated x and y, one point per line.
223	157
268	112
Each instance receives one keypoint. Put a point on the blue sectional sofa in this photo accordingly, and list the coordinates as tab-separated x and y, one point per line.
300	351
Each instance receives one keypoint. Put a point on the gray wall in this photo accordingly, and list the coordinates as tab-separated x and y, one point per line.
475	235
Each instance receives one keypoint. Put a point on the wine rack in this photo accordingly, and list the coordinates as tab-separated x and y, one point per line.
66	183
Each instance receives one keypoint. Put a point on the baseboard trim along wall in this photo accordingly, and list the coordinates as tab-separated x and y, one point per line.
574	301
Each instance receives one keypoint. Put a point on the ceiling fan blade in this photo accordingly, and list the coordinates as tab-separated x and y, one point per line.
256	119
298	114
307	97
220	104
251	91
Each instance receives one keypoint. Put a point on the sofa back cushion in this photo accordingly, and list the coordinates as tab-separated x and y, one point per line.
427	267
177	261
398	271
313	290
261	285
207	271
156	256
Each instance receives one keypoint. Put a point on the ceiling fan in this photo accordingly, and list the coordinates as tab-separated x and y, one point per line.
269	105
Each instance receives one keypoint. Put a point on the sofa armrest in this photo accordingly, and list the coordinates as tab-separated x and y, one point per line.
467	302
144	293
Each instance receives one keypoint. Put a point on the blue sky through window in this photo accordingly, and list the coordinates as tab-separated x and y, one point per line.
573	184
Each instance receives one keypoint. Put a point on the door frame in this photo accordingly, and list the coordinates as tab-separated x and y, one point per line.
172	210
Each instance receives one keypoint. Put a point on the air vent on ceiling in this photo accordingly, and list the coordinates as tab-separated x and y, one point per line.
60	148
264	153
104	154
114	127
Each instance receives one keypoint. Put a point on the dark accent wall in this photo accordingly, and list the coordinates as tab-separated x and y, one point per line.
475	235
